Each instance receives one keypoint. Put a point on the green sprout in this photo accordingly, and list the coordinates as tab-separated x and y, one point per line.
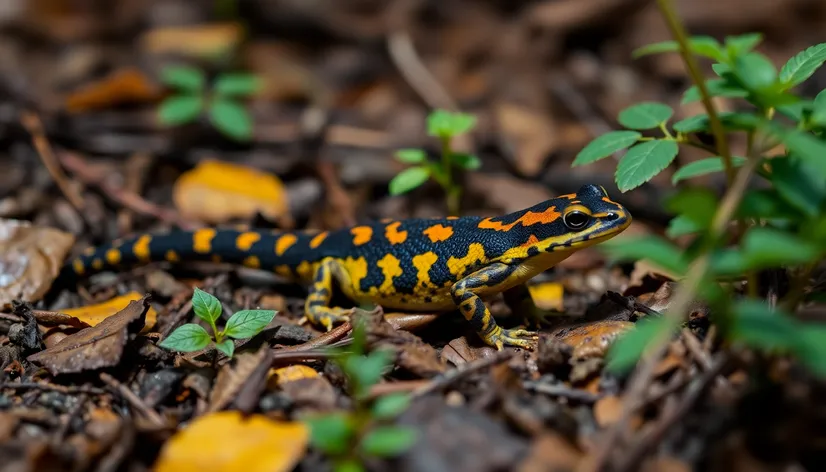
192	337
445	126
220	101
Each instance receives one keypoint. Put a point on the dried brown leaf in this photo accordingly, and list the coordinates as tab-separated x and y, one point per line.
232	377
551	452
99	346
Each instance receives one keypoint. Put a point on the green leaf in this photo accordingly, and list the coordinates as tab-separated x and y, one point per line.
803	64
188	79
237	84
391	405
764	204
388	441
697	204
741	44
755	71
187	338
652	248
367	370
605	145
227	347
629	347
643	162
716	88
721	69
348	465
645	115
331	433
701	45
811	348
411	156
705	166
180	109
444	124
408	179
796	111
231	118
465	161
819	109
681	225
798	184
731	120
247	323
804	145
206	306
765	247
756	325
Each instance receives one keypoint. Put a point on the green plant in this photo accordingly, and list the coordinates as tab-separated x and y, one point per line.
445	126
780	225
192	337
365	431
220	100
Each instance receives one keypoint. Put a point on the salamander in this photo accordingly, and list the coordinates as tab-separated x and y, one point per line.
419	265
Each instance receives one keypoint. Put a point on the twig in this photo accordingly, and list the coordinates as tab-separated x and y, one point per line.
563	391
34	126
126	198
445	380
134	400
321	341
404	56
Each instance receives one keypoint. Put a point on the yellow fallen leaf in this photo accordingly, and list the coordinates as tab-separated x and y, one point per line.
217	192
94	314
227	440
290	373
204	40
547	295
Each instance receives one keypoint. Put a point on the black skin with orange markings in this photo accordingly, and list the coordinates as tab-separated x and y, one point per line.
413	265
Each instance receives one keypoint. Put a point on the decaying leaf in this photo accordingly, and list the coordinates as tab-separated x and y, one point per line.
291	373
593	339
218	192
30	259
99	346
228	440
92	315
195	40
551	451
128	85
233	376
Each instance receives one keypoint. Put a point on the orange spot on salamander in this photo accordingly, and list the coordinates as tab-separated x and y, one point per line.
252	262
172	256
530	242
452	218
361	234
245	240
78	266
112	256
141	247
528	218
393	234
438	233
284	243
202	240
318	239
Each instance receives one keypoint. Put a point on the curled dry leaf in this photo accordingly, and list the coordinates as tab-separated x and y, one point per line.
291	373
30	259
593	339
124	86
96	347
92	315
229	440
232	377
217	192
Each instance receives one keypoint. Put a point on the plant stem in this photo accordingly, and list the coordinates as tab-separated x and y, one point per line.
679	33
453	194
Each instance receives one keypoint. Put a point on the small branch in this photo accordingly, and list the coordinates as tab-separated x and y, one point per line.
452	376
134	400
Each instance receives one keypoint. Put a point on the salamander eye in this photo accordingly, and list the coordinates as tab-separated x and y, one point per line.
576	220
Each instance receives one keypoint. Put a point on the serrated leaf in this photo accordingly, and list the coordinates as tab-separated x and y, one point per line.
331	433
188	79
605	145
701	45
391	405
623	355
237	84
247	323
644	161
645	115
654	249
704	166
180	109
408	179
411	156
187	338
755	71
803	65
206	306
466	161
227	347
731	120
231	118
388	441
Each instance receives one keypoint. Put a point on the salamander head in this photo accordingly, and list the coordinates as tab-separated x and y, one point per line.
563	224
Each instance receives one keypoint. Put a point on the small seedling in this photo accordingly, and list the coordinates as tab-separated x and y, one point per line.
365	431
445	126
192	337
220	100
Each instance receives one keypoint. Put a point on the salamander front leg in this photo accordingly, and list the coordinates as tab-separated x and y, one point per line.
467	293
317	307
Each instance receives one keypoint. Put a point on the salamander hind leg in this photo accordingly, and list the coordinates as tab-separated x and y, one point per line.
467	293
317	307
